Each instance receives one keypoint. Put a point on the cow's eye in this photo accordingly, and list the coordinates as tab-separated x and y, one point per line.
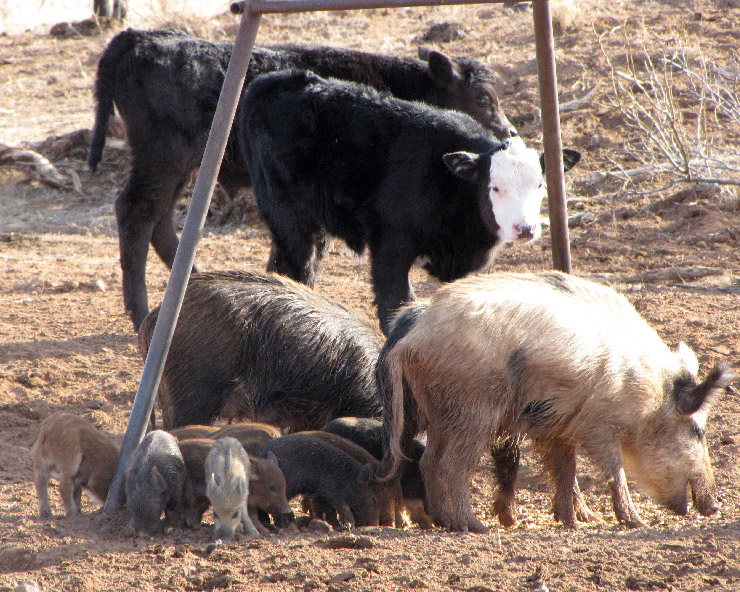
483	100
494	189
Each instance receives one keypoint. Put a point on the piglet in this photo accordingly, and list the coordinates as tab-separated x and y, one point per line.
317	469
368	433
155	482
69	448
227	470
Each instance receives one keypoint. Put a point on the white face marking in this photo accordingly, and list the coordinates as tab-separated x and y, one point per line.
516	190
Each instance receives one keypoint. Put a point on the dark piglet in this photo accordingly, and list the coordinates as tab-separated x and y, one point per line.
391	492
155	483
252	436
194	453
166	85
265	348
368	433
331	477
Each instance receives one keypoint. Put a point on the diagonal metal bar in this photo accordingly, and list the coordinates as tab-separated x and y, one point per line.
226	109
185	256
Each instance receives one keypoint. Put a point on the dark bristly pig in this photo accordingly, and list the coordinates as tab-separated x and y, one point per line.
165	85
406	181
315	468
569	363
155	483
227	472
265	348
71	449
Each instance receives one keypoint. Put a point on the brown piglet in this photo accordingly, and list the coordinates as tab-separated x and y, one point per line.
72	450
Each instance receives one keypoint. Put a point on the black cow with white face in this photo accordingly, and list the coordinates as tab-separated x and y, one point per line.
403	179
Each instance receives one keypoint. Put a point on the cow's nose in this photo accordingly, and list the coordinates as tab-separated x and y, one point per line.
524	230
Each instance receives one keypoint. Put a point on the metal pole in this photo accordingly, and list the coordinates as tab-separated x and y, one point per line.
551	131
175	292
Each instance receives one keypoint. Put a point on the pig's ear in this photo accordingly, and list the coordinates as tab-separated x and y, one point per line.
367	474
210	484
688	358
241	488
690	399
271	458
160	483
254	467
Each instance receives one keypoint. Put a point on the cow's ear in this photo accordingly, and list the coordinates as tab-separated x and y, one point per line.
463	164
441	68
424	51
570	159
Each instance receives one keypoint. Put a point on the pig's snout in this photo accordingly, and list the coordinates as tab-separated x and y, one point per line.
224	534
705	501
284	520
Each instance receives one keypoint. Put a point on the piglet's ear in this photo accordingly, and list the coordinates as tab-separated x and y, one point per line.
691	399
158	480
463	164
570	159
367	474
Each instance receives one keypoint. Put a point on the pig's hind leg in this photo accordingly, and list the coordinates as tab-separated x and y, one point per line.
67	491
43	474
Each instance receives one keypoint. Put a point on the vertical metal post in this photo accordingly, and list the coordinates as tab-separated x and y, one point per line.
551	132
175	292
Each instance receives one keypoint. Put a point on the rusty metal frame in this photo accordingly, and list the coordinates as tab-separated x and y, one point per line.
252	11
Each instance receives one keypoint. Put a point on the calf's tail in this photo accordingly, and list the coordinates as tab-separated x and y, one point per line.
118	47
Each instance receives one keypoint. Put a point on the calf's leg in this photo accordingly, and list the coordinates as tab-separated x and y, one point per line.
392	258
144	206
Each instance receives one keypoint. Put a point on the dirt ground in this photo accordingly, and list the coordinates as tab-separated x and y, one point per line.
65	343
